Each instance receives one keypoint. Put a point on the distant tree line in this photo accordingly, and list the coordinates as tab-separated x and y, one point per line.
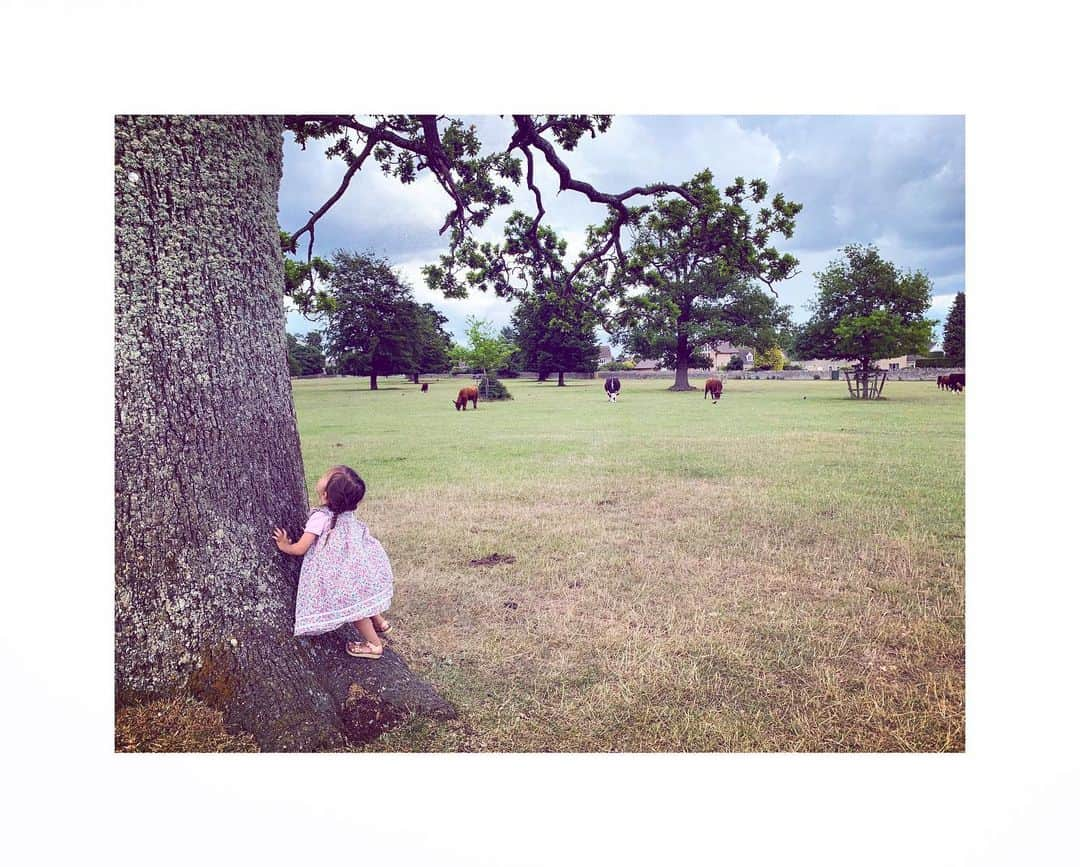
374	326
305	354
699	272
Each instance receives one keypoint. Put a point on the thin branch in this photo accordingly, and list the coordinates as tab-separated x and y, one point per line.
354	167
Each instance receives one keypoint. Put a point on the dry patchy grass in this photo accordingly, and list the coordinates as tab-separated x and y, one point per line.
176	725
782	571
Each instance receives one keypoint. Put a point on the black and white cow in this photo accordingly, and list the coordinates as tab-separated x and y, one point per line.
612	386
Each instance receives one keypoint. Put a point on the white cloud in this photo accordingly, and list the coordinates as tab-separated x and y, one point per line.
896	181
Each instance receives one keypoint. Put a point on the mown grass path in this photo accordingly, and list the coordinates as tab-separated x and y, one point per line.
780	571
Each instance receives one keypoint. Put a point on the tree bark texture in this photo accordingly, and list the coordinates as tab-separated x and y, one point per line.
207	455
682	360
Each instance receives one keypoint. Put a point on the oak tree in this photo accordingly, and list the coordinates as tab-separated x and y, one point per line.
867	309
692	274
375	327
207	455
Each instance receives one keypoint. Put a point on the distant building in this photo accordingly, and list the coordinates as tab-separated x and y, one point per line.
720	354
899	363
648	364
604	356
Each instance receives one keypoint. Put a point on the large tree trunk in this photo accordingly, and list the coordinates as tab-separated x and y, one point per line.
207	451
561	381
374	381
682	362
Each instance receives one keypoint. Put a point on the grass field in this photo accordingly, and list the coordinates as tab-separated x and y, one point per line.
781	571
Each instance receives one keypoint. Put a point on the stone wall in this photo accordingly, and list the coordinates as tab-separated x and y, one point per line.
907	374
915	374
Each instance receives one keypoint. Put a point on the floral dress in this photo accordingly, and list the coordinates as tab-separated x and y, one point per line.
345	575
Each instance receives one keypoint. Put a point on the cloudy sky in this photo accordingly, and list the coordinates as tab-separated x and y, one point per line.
894	181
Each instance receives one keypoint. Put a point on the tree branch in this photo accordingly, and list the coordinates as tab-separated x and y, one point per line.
309	226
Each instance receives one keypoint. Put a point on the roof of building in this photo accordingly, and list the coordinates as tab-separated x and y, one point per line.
724	347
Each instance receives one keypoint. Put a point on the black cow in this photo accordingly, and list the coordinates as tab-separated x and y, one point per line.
955	381
611	387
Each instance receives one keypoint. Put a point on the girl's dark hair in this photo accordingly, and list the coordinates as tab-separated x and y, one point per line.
344	491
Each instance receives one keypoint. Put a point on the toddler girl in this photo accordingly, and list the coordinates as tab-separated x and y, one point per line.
345	576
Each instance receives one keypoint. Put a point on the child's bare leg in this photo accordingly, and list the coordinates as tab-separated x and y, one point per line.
367	629
367	632
379	622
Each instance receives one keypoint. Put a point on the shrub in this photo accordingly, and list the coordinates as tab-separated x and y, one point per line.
734	363
772	359
492	389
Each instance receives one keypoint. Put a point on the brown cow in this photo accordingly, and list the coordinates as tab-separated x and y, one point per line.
469	392
713	388
941	380
423	387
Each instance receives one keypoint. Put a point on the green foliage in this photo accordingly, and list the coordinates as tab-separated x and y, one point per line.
734	363
694	269
954	343
484	349
938	361
433	342
404	146
514	364
375	327
867	309
290	354
771	359
300	281
305	356
551	339
493	389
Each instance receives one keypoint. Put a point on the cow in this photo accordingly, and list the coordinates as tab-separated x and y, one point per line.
942	380
469	392
955	381
713	388
423	387
611	388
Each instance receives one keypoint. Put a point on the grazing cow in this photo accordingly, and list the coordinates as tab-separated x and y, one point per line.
713	388
941	380
611	387
469	392
955	381
423	387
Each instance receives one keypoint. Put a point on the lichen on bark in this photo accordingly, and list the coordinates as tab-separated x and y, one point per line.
207	455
